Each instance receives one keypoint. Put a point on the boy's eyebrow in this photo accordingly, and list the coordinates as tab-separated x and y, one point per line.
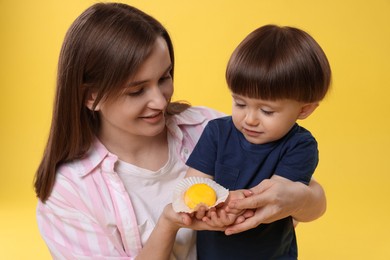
140	82
236	95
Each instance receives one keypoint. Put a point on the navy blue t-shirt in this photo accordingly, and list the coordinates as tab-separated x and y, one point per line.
223	152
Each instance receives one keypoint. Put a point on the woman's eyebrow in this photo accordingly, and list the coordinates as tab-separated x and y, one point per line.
168	69
136	83
140	82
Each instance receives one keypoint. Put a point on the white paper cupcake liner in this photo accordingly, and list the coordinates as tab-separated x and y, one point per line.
178	194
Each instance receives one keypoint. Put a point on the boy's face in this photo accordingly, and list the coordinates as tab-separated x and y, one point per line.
263	121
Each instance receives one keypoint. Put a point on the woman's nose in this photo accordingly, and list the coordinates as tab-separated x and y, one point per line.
157	99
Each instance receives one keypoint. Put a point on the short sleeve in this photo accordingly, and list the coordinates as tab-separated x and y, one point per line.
204	155
299	161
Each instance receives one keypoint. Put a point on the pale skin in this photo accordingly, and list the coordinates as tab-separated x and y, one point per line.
271	200
221	216
305	203
160	242
263	121
133	125
133	128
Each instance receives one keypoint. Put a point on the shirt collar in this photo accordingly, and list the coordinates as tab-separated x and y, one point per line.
97	155
187	117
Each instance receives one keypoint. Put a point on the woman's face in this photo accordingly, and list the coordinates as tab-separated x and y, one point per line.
139	110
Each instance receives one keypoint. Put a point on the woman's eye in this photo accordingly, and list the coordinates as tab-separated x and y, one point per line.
166	77
135	93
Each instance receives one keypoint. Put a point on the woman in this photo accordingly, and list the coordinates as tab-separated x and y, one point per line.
118	145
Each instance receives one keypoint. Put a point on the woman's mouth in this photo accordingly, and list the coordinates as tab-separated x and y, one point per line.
153	118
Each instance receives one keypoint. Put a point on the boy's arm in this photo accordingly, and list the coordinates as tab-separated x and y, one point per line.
191	172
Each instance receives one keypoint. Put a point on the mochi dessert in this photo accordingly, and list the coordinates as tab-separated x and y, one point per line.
199	194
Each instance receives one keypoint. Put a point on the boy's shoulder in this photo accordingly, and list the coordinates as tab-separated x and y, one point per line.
299	136
221	123
302	132
223	120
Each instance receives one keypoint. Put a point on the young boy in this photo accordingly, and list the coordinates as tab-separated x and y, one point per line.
276	75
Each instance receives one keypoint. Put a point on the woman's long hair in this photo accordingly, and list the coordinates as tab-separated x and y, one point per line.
103	47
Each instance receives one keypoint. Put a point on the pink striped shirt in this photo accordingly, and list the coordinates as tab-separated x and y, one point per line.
89	214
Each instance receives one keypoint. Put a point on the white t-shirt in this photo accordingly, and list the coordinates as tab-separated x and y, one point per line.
144	188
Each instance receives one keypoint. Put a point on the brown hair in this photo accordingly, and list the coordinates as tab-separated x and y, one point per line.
276	62
103	47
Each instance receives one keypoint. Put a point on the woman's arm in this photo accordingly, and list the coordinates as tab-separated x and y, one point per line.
161	240
278	198
315	205
160	243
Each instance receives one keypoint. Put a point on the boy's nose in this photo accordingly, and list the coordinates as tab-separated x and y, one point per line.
251	119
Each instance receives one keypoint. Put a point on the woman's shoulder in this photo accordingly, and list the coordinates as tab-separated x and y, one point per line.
187	126
197	114
78	169
76	179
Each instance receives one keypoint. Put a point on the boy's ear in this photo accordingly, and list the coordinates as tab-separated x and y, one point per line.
91	100
307	110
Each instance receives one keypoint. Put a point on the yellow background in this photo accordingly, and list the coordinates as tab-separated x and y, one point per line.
352	125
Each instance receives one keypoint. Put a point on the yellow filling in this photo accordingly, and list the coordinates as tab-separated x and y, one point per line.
200	193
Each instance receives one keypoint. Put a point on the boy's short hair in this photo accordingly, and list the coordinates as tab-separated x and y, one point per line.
276	62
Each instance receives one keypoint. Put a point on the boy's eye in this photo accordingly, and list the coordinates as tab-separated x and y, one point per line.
267	112
238	103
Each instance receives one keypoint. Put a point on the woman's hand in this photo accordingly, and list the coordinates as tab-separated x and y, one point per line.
162	238
277	198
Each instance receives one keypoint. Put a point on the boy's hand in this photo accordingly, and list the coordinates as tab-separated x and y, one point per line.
236	195
218	217
199	213
222	216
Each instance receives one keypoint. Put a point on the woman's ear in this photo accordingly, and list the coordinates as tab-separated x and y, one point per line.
90	101
307	110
